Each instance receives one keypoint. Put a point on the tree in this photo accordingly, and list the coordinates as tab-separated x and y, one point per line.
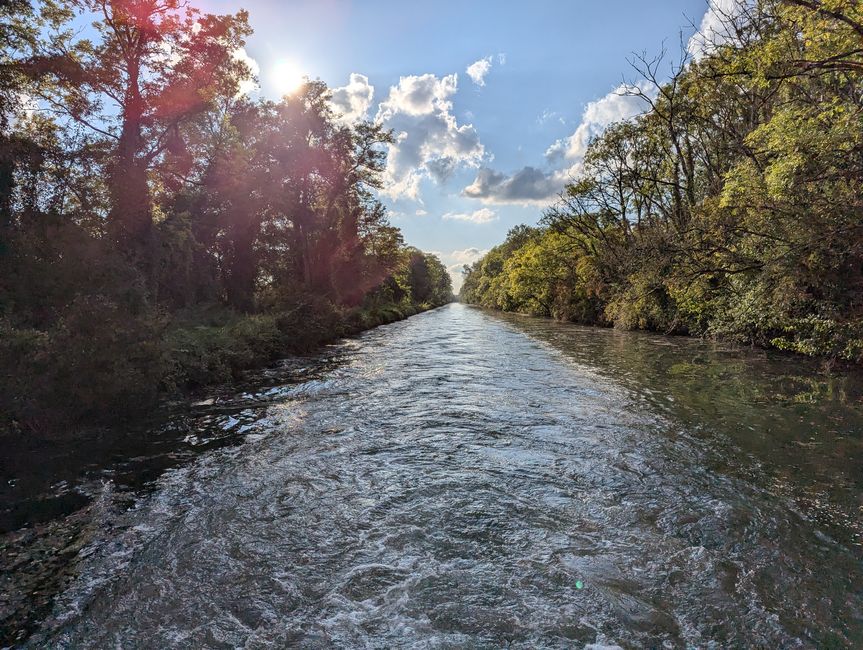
156	65
428	278
19	24
732	207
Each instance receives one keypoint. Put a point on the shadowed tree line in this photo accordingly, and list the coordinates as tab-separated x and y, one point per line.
733	207
158	229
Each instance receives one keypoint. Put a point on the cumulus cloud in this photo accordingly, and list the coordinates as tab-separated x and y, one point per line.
478	70
565	157
528	185
248	85
483	215
351	103
466	256
429	141
617	106
714	28
420	95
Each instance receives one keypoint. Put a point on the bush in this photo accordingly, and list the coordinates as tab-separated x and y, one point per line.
101	363
96	363
824	337
309	321
207	354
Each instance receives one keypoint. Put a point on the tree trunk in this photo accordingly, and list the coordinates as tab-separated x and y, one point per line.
7	181
130	221
241	273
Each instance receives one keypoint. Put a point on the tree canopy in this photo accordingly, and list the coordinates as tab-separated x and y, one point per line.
733	207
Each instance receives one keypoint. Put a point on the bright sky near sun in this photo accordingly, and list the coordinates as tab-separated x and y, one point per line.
492	102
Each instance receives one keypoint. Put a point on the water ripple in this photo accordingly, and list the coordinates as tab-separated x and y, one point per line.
466	480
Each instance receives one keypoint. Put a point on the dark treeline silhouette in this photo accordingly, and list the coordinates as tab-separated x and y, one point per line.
158	229
733	207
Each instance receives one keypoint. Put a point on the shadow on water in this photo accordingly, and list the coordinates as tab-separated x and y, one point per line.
43	479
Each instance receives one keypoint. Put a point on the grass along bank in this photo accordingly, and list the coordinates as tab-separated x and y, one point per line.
58	381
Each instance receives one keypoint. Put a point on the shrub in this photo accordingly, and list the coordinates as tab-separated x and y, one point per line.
96	363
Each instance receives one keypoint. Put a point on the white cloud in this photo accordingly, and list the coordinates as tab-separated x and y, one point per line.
420	95
22	108
430	143
535	185
421	213
478	70
547	115
617	106
466	256
455	272
528	185
714	28
169	53
248	85
351	103
501	58
483	215
26	106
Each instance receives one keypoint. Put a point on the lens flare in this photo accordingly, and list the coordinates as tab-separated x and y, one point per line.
287	77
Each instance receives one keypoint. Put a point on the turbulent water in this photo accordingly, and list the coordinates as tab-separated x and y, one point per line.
467	479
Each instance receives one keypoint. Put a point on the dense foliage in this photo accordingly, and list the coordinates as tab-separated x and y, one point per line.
733	207
158	228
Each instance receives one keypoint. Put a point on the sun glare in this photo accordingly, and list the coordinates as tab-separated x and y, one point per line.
288	77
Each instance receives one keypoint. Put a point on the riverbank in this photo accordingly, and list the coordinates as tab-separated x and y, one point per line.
101	371
826	361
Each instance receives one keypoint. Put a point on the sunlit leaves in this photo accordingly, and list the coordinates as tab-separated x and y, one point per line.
733	208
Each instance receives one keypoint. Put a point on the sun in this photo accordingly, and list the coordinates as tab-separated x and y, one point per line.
288	77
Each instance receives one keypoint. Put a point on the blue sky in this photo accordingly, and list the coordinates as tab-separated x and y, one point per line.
478	153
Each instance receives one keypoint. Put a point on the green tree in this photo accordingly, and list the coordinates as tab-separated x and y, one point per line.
156	65
732	207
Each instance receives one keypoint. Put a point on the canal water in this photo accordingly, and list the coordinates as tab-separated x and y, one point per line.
462	479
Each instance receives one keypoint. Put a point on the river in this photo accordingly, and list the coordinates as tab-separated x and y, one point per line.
470	479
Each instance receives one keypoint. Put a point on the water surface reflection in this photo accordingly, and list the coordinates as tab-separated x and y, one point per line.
468	479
